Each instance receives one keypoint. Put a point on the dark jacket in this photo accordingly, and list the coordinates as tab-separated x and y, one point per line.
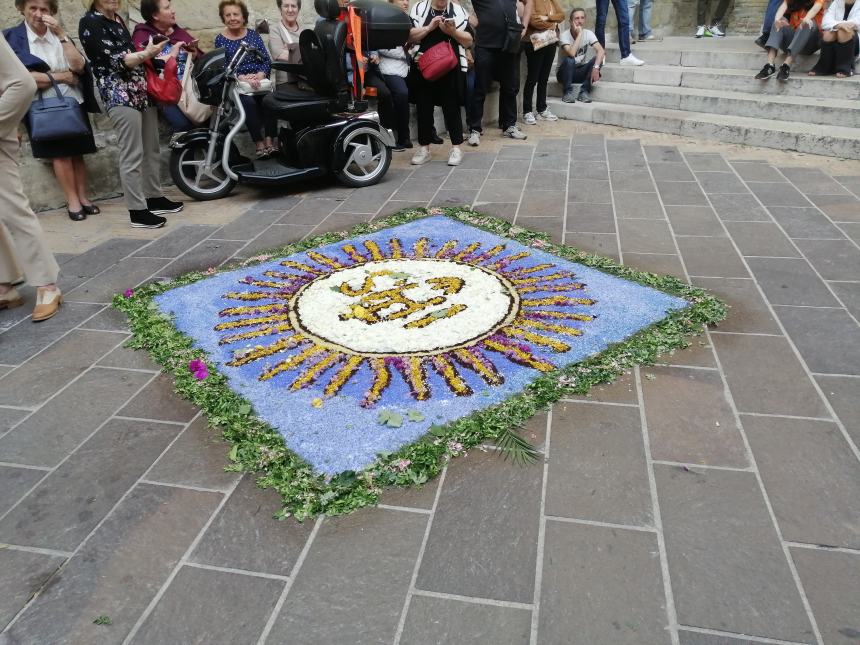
17	39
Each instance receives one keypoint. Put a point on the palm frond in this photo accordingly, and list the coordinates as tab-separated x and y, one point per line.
512	445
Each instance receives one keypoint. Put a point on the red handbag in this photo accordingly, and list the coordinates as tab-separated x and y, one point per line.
163	88
437	61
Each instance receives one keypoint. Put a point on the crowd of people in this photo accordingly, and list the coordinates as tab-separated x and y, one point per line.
39	58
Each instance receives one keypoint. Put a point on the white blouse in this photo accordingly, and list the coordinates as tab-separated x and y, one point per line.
50	49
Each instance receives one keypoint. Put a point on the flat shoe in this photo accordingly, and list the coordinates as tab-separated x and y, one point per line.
11	299
77	216
47	303
90	209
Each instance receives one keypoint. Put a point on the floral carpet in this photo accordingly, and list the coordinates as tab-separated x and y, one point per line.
378	354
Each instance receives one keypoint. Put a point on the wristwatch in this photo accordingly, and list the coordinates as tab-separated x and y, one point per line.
64	39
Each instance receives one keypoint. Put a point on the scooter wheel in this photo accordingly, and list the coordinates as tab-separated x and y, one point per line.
189	173
364	158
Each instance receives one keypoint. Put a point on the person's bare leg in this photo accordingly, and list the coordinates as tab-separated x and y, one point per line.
80	170
64	171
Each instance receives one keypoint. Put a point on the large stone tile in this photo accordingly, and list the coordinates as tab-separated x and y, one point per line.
44	375
621	390
694	220
833	259
720	182
274	237
787	281
843	393
411	496
761	239
633	181
828	339
10	416
506	169
687	637
189	612
671	171
465	179
65	507
516	151
197	458
738	208
805	223
446	198
159	401
553	226
587	153
765	377
727	567
90	263
659	263
706	161
248	225
849	294
638	206
601	585
366	582
711	257
590	191
125	275
748	311
756	171
483	160
778	194
176	241
831	581
852	229
395	206
839	208
503	210
596	169
57	428
590	218
597	467
246	536
544	203
811	478
645	236
440	621
501	190
699	353
275	200
417	190
25	339
497	504
598	243
14	483
210	253
311	211
129	359
852	183
108	319
120	568
341	222
662	153
22	574
690	420
681	193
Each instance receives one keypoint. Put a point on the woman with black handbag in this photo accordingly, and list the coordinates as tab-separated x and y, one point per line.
439	30
43	46
120	77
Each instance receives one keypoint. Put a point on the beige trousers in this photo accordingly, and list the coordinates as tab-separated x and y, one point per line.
137	134
31	249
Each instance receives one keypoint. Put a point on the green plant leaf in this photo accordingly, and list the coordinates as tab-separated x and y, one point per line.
512	445
415	415
103	620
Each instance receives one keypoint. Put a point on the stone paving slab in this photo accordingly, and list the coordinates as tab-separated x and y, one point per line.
685	503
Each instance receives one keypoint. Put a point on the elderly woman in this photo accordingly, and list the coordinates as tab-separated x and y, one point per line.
160	22
433	22
41	43
284	39
839	40
118	70
234	15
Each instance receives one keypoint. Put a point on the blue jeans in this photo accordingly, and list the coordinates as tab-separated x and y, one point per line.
769	15
175	118
623	18
644	15
568	73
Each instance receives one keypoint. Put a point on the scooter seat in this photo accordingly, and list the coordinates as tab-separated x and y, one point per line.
297	105
290	92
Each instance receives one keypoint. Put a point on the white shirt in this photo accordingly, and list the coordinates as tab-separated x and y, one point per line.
394	62
461	19
587	40
50	49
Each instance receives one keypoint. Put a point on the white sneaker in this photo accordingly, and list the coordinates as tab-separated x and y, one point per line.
514	132
421	156
631	60
474	138
716	32
700	32
456	157
546	115
529	118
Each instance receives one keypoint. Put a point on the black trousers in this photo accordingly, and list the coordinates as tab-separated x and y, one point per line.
539	66
443	93
495	64
384	100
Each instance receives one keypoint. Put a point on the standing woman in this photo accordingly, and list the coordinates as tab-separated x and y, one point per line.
43	46
284	39
433	22
545	17
234	15
119	73
160	21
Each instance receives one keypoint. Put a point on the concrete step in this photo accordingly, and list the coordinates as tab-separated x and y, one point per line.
831	141
733	80
822	111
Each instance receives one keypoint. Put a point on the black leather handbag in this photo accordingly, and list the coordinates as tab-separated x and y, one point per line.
55	118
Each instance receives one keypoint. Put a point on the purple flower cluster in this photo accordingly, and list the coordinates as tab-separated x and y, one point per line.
199	369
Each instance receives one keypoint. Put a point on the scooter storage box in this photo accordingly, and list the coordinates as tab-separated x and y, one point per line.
385	26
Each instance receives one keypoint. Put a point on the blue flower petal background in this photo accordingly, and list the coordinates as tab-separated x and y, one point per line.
342	434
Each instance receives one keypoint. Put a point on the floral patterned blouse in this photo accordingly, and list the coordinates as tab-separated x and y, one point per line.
106	43
250	65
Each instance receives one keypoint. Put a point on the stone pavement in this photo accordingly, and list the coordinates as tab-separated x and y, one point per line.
712	496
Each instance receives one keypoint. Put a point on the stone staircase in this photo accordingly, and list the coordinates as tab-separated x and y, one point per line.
705	88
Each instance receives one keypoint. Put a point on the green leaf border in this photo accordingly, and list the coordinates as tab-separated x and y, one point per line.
259	448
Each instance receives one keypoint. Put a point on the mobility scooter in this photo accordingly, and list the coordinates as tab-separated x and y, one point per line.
330	130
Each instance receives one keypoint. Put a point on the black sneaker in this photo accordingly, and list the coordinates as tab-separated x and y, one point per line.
761	41
784	72
766	72
583	97
145	219
161	205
